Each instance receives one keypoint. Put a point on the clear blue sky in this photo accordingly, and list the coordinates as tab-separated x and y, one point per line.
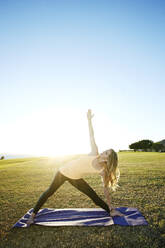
59	58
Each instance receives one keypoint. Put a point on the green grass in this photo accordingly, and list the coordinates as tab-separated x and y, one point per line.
142	185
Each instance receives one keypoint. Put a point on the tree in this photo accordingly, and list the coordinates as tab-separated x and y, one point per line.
142	144
2	157
158	147
146	144
134	146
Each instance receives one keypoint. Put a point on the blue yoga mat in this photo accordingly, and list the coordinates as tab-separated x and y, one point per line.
83	217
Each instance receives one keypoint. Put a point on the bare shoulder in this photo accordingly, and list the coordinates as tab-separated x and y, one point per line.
96	165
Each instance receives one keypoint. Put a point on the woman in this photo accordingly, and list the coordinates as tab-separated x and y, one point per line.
104	164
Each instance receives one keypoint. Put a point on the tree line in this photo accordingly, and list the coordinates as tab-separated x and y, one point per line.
148	145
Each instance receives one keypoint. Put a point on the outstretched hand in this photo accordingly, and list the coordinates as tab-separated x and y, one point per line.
115	213
89	114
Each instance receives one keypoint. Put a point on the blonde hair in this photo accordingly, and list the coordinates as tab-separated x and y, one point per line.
112	173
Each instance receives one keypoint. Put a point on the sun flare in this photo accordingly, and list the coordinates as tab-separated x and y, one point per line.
52	132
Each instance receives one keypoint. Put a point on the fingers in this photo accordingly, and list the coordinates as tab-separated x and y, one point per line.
89	114
116	213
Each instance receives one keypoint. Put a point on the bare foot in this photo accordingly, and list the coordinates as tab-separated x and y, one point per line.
31	219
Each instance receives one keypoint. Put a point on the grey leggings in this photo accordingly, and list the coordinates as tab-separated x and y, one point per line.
80	184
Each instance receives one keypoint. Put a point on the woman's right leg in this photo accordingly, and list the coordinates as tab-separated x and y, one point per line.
84	187
58	180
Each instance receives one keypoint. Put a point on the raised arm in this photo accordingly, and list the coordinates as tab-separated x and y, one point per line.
94	148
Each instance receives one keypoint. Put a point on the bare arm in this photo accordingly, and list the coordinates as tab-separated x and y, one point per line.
106	192
94	148
113	211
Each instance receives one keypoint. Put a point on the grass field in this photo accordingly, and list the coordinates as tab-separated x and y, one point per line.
142	185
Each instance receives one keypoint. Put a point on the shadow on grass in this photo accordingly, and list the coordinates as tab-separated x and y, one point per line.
111	236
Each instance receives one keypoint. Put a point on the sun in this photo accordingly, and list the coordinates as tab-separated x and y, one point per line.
50	132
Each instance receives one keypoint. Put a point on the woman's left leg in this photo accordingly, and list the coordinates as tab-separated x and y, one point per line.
58	180
84	187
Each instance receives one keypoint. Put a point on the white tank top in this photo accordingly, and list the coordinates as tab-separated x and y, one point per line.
80	167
